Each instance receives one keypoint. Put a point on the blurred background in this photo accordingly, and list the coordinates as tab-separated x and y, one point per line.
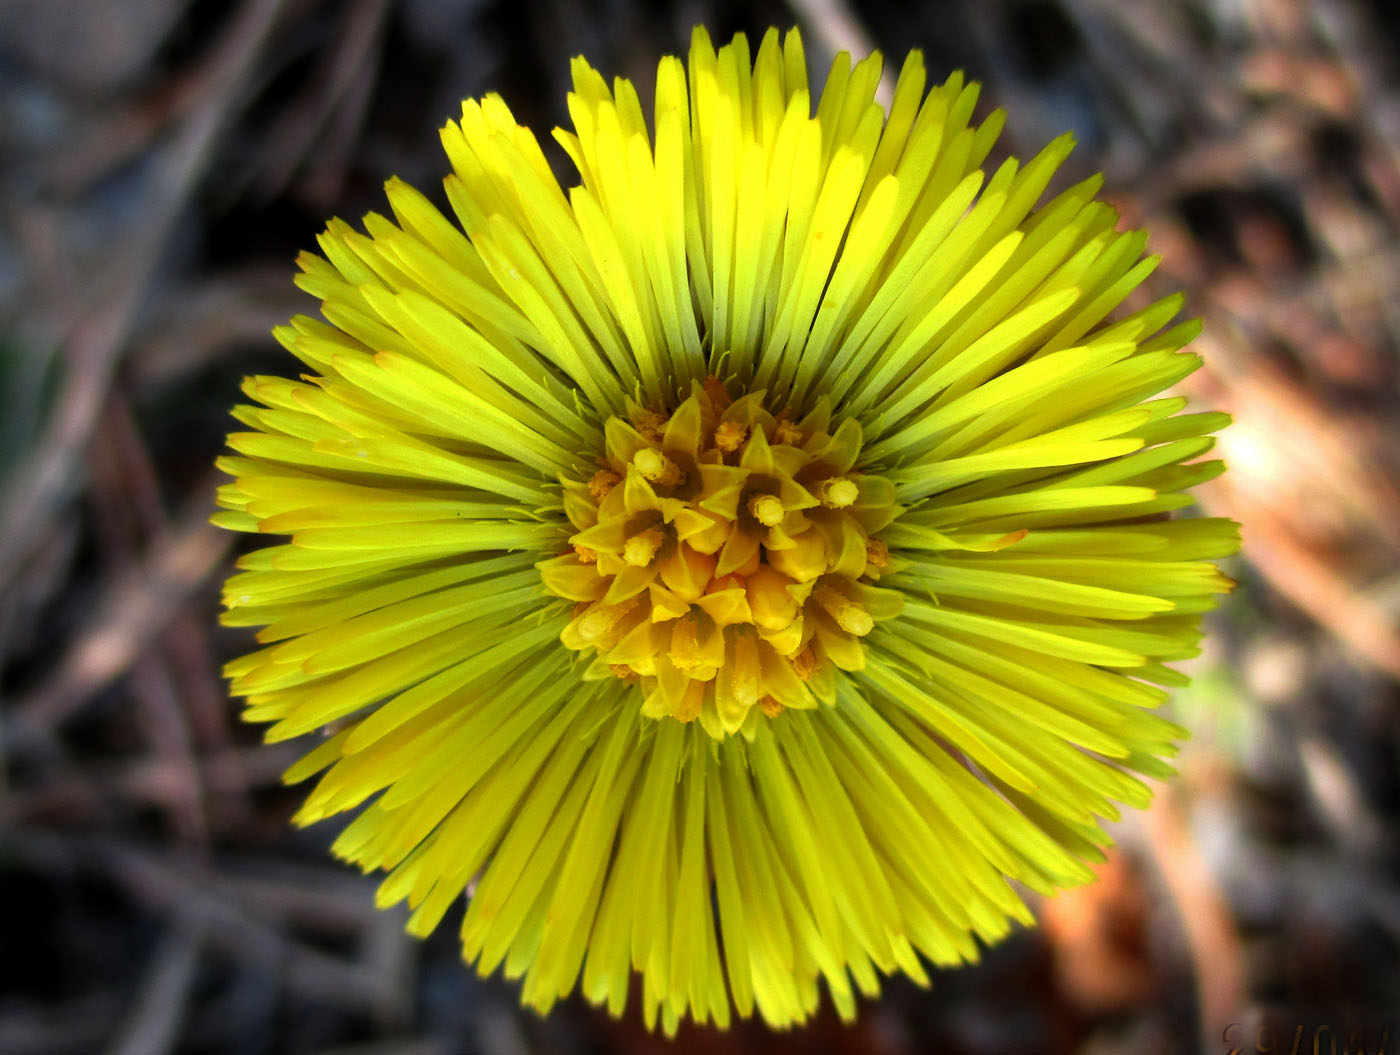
162	162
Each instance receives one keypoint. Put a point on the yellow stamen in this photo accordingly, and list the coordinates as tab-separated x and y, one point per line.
838	492
854	619
585	555
716	392
850	615
767	509
595	625
651	425
787	432
730	435
747	674
603	481
804	664
656	467
685	645
642	547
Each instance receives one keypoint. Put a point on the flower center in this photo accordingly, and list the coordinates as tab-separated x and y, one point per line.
724	558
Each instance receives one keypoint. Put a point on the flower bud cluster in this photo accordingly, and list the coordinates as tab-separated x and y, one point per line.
725	558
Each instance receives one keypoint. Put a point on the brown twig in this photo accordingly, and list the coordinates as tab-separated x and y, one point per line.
72	794
1205	917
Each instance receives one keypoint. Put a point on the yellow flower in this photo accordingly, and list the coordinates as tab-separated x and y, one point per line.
740	567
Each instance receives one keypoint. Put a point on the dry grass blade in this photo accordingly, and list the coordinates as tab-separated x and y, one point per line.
134	608
98	337
833	26
153	1025
334	100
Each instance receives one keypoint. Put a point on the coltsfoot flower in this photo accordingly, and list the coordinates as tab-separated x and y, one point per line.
742	569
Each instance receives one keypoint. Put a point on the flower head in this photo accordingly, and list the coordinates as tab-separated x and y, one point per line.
738	568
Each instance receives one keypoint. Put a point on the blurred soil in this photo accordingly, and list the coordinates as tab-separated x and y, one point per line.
162	162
